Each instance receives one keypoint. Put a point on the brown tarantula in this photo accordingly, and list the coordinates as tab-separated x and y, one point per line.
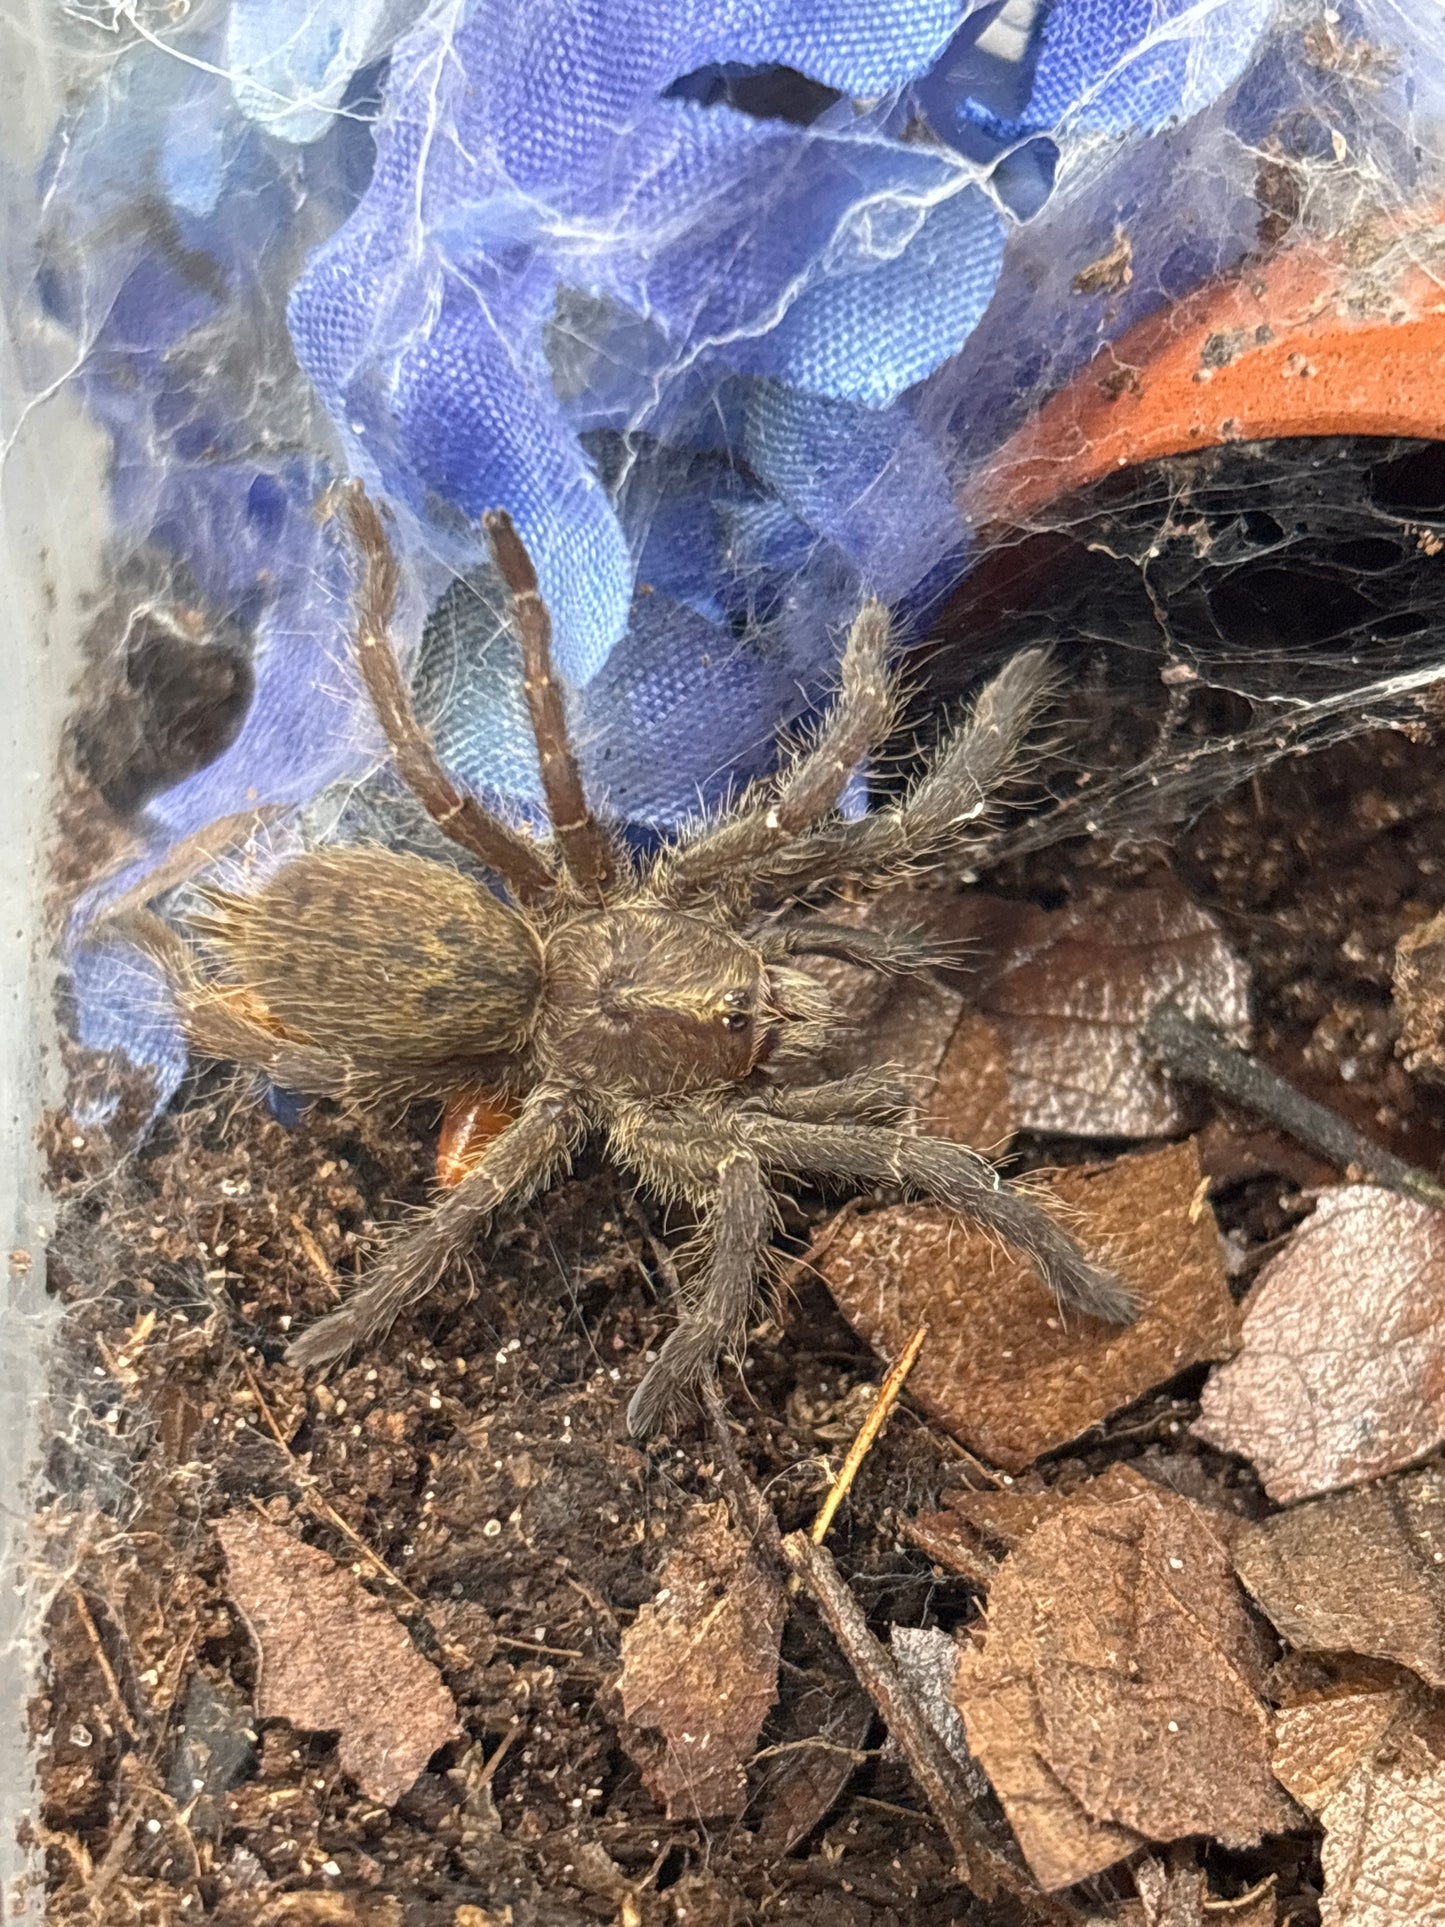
648	1001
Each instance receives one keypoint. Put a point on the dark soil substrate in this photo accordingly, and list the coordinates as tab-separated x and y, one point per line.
481	1454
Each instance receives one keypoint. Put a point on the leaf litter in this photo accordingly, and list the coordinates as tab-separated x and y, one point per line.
1119	1666
700	1670
1362	1572
333	1657
1340	1376
1363	1749
1034	1021
1069	992
1004	1370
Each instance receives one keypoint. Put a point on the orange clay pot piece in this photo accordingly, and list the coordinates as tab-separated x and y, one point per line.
469	1123
1339	339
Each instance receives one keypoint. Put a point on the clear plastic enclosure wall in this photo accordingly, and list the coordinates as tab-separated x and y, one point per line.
52	482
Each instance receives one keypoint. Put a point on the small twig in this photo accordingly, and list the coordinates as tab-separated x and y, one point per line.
980	1865
121	1841
884	1806
315	1256
499	1753
81	1608
536	1646
993	1480
1222	1904
748	1503
1195	1053
888	1395
859	1755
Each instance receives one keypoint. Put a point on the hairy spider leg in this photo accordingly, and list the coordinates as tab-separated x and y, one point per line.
955	789
456	812
217	839
738	1220
816	1132
515	1167
861	717
881	950
586	849
876	1096
950	1175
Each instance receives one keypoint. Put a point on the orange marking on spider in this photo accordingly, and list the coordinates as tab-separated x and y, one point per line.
469	1124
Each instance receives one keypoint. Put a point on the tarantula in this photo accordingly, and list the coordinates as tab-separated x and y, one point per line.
651	1001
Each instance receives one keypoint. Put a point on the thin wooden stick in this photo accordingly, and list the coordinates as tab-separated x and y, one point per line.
888	1393
980	1864
81	1608
1196	1053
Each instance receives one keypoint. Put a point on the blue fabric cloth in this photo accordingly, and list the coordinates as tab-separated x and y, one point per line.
718	358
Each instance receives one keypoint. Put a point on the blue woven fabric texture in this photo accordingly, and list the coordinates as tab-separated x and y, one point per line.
721	300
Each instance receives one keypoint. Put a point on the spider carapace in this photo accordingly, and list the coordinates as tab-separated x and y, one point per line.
664	1004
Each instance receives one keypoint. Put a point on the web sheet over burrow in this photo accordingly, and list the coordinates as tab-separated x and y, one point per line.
738	310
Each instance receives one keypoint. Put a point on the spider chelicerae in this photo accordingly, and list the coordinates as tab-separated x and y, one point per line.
653	1002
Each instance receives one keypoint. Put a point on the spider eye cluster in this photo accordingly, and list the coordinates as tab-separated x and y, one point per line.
736	1015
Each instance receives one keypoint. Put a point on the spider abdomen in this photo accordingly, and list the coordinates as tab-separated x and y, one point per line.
385	959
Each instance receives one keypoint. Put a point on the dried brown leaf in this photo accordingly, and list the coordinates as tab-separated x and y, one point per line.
1116	1695
1060	1841
1070	990
972	1530
999	1519
1341	1373
1363	1572
972	1097
700	1665
331	1657
1003	1369
1367	1754
1056	1000
831	1722
1325	1728
1384	1847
